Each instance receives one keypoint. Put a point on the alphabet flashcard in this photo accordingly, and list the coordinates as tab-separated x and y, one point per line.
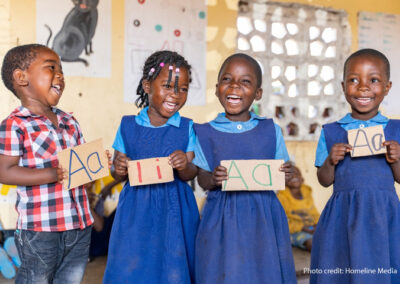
367	141
84	163
253	175
150	171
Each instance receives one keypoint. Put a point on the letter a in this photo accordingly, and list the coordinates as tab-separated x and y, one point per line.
98	159
70	164
268	175
361	145
239	175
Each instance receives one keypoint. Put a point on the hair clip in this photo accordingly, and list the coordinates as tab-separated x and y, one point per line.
162	64
177	70
152	71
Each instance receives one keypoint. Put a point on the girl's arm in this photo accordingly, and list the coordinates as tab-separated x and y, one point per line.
183	164
326	173
13	174
393	158
120	169
210	181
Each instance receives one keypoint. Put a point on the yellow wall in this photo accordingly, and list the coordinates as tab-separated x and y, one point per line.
101	106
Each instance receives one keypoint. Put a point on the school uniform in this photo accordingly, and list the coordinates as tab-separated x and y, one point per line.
243	236
153	234
356	239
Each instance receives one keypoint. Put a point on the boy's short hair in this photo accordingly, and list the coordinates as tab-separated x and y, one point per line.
251	60
369	52
19	57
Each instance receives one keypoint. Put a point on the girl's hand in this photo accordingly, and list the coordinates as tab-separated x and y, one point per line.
121	164
219	174
338	151
392	151
288	169
109	159
178	160
61	174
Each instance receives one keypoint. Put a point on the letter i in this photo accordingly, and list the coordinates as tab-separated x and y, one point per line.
158	171
139	169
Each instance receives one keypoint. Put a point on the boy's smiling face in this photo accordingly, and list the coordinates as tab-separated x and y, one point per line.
42	83
237	88
365	85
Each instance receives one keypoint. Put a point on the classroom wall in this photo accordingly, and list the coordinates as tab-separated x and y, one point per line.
98	102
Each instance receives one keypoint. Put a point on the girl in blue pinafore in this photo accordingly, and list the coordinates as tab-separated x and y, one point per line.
243	236
358	233
153	234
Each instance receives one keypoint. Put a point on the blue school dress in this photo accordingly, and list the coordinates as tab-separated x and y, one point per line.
243	237
358	233
154	230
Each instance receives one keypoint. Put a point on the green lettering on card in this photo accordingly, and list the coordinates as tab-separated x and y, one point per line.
239	175
268	175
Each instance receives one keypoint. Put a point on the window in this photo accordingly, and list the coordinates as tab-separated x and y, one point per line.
301	49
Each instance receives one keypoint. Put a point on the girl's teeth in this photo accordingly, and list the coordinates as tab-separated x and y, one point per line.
364	100
170	106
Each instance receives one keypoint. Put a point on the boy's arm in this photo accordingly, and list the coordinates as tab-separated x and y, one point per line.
11	173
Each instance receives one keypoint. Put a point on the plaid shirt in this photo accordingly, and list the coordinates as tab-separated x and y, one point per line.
46	207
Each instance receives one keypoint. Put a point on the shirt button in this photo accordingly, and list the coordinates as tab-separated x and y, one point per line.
239	126
362	125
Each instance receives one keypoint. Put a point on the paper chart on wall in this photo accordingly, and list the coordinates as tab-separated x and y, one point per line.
381	31
80	33
165	24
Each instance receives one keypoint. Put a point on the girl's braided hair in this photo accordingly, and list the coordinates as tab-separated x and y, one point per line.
152	67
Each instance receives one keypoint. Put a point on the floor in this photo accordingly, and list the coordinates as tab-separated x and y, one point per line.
95	269
93	275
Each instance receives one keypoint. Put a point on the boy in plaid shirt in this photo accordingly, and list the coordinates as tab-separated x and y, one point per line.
54	224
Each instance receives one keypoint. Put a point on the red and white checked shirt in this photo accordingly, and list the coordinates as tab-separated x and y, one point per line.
46	207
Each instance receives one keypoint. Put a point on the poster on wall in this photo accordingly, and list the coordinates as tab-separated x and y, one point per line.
165	25
80	32
380	31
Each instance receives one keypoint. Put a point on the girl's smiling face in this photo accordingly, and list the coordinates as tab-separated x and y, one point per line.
237	88
365	85
163	101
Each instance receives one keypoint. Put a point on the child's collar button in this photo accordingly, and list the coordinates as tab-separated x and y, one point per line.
239	126
362	125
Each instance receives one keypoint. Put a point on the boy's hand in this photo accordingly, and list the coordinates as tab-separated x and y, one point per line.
288	169
392	151
178	160
109	157
121	164
62	174
219	174
338	151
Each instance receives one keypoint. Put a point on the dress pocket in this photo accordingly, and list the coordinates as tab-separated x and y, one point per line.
43	144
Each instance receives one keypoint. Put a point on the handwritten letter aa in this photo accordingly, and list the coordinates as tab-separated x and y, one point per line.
366	141
84	163
253	175
150	171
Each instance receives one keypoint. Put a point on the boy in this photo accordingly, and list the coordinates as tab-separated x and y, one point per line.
300	209
54	224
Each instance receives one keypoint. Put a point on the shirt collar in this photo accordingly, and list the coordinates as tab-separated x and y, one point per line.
22	111
221	118
377	118
143	117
